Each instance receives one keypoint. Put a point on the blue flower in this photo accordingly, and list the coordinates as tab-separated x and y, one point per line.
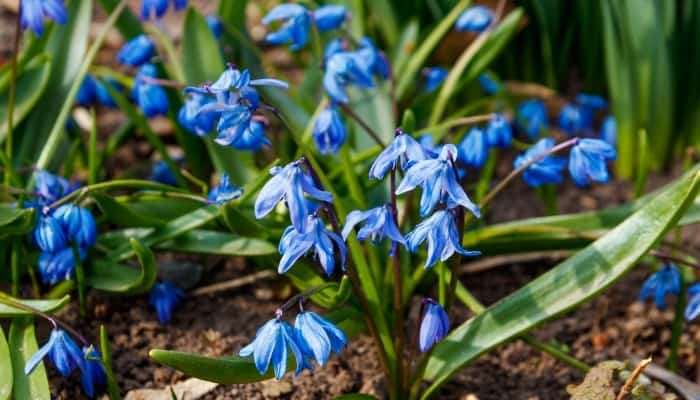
329	17
692	309
371	59
48	234
59	266
250	139
93	91
151	98
547	170
588	161
434	77
137	51
289	184
443	238
572	119
437	179
498	132
77	223
404	149
475	19
50	187
33	12
474	148
434	326
591	102
335	46
164	297
215	25
488	84
296	243
532	117
102	94
93	374
295	29
63	352
329	131
665	281
608	130
342	69
161	173
272	344
224	191
194	121
318	336
379	223
159	7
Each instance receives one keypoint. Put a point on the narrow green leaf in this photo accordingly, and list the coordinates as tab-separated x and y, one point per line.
230	370
112	384
16	221
34	386
6	375
31	83
201	57
47	306
120	214
570	283
109	276
128	24
404	48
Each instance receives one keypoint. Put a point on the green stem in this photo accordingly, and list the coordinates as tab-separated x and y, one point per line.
118	184
92	150
106	361
80	280
55	135
14	265
11	104
548	194
555	352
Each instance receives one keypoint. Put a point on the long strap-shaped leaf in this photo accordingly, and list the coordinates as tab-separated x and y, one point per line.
572	282
23	345
6	374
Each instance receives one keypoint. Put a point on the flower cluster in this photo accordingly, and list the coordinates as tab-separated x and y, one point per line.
311	338
231	104
297	21
578	117
59	230
66	356
474	148
157	8
358	67
93	91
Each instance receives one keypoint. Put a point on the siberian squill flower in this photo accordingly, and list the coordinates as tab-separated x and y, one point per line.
588	161
437	179
250	139
488	84
165	297
498	132
434	326
443	238
294	30
289	183
215	26
137	51
151	98
58	266
342	69
149	8
33	12
591	102
63	352
572	119
192	119
50	187
93	374
319	336
474	148
608	130
77	223
372	60
475	19
271	346
434	76
161	173
547	170
379	223
532	117
403	149
329	131
665	281
326	245
48	233
692	309
329	17
92	91
224	191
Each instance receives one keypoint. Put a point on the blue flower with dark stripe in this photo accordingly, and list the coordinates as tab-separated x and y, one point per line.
440	230
318	336
434	326
330	17
475	19
379	223
404	150
272	344
327	246
499	132
137	51
157	8
329	131
434	77
77	224
224	191
532	117
665	281
547	170
474	148
63	352
588	161
295	27
165	297
33	12
150	97
58	266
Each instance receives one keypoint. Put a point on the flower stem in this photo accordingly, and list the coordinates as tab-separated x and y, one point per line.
135	183
305	295
14	265
80	280
398	291
11	103
375	136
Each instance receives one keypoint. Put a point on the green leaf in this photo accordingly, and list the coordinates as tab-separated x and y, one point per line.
201	57
34	386
16	221
122	215
128	24
109	276
47	306
112	384
405	46
5	368
230	370
572	282
31	83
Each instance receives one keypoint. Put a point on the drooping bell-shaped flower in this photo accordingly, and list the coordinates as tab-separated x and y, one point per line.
58	266
157	8
403	149
137	52
547	170
608	130
434	326
165	297
271	346
475	19
665	281
33	12
49	187
329	131
294	29
63	352
434	76
440	230
161	173
379	223
195	121
224	191
532	117
289	183
48	233
215	26
692	309
319	336
92	373
342	69
499	132
474	148
78	224
326	245
150	97
438	181
588	161
572	119
330	17
489	84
